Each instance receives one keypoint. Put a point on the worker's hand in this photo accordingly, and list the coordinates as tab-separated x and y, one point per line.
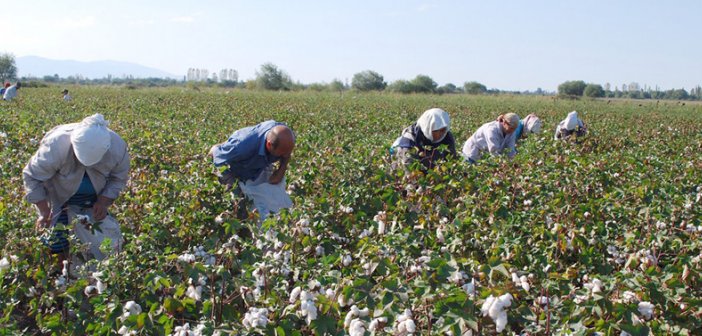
42	222
276	177
44	219
100	208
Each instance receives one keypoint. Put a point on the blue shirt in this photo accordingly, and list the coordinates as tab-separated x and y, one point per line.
245	151
518	131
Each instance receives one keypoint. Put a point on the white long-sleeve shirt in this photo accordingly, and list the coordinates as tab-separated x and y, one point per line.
10	93
54	173
489	138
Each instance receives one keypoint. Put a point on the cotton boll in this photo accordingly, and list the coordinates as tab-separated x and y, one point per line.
501	321
469	287
4	264
194	293
646	309
629	297
524	282
131	308
294	294
515	278
485	309
410	326
346	260
357	328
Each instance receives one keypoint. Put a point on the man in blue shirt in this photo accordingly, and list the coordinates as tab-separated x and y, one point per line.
250	154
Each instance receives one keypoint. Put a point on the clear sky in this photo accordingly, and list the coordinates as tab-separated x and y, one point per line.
509	45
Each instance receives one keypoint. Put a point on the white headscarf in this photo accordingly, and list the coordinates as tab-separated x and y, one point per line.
571	121
532	124
91	139
432	120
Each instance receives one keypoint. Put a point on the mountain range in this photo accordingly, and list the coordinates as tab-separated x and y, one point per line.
34	66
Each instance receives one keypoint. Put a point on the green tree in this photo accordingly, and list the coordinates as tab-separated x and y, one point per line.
474	88
679	94
367	81
336	86
447	88
8	69
424	84
401	86
270	77
572	88
594	91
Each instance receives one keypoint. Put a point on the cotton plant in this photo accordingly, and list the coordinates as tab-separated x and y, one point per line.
184	330
126	331
521	281
130	308
306	299
255	318
495	308
357	328
352	323
380	218
376	324
4	264
404	323
646	309
346	209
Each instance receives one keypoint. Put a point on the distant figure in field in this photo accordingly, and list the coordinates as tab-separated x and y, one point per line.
11	91
66	96
4	87
77	172
529	125
249	154
421	140
571	125
496	137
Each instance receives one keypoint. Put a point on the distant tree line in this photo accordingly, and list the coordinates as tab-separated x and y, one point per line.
271	77
632	90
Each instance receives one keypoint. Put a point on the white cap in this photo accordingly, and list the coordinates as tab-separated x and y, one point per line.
91	139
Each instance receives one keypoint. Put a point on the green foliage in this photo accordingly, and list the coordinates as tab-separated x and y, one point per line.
270	77
8	68
474	88
594	91
572	88
424	84
368	81
622	206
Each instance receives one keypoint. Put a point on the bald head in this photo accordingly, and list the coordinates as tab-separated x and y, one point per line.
280	141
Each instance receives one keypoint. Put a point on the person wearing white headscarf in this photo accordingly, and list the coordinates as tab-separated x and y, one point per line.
496	137
529	125
571	125
77	172
422	140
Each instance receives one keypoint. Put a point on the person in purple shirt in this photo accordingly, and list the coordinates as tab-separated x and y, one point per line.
249	155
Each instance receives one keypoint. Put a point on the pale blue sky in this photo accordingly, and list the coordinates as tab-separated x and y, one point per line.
510	45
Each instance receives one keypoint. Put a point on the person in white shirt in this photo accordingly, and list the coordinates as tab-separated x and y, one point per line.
11	92
66	96
77	172
496	137
571	125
